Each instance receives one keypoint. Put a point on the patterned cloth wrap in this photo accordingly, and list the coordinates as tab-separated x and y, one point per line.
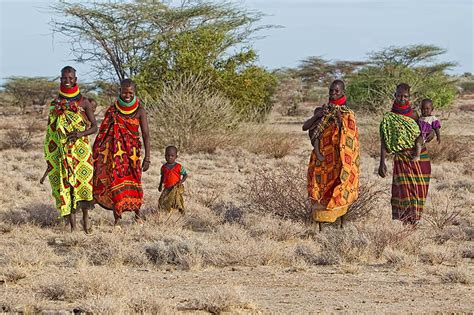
69	163
333	184
117	167
398	132
410	185
333	115
172	198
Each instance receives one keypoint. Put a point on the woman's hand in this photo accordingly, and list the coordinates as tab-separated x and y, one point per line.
73	136
145	165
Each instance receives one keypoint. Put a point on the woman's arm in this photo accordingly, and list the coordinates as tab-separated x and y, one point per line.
146	138
91	117
383	153
318	113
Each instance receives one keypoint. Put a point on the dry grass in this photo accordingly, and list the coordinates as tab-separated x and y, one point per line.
399	259
279	192
443	209
457	275
246	213
218	301
451	149
13	274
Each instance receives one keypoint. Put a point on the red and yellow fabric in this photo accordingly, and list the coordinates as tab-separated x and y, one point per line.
410	185
69	163
117	167
333	184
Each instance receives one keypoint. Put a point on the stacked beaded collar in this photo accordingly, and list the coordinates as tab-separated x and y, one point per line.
68	99
127	108
404	109
70	94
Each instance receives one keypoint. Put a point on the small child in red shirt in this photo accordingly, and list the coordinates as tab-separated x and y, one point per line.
173	175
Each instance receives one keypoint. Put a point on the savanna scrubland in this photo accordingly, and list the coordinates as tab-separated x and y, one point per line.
244	244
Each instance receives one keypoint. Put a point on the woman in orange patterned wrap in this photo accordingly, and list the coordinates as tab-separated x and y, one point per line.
333	182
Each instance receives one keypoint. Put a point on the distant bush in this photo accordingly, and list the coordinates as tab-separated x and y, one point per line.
467	87
29	91
289	96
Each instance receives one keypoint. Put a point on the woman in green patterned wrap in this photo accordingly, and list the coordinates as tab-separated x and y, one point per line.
411	177
67	150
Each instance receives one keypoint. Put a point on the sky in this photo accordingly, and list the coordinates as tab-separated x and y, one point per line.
333	29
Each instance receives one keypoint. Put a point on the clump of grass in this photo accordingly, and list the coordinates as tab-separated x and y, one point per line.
40	214
276	145
344	246
86	284
175	251
435	255
149	304
457	275
218	301
20	138
13	274
399	259
229	212
310	254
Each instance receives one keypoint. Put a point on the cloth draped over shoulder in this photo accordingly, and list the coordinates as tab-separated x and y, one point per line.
399	132
411	179
117	167
333	184
69	163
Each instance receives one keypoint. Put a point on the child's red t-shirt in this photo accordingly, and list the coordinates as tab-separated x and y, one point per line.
172	174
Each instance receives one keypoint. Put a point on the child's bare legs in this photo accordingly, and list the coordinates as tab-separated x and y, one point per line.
317	150
418	146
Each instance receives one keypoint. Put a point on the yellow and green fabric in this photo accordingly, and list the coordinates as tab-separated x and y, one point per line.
399	132
69	164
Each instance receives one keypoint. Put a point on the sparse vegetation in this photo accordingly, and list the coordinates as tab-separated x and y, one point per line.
245	227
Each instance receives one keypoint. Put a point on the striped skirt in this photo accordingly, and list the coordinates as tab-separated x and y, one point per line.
410	186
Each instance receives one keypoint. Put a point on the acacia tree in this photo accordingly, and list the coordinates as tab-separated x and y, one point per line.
316	70
154	43
373	85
